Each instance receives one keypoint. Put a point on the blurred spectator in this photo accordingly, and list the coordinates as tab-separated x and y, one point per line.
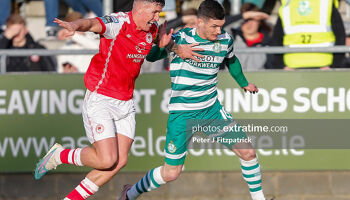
52	7
304	24
252	33
80	40
179	23
189	18
16	36
5	9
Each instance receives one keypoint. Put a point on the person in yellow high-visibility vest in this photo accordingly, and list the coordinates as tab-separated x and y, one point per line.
309	23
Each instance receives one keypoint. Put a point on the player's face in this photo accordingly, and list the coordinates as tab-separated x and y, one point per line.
210	28
149	14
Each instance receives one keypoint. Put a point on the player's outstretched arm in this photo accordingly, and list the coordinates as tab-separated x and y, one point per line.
82	25
235	69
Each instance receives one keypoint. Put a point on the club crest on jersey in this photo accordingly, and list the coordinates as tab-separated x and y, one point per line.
171	147
100	128
217	47
140	47
149	37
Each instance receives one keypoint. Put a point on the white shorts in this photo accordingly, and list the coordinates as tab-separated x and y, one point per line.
105	116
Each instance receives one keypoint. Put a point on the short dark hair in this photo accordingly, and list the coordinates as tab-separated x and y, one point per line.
160	2
211	9
15	19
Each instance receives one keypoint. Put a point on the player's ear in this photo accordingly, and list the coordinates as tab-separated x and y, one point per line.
200	21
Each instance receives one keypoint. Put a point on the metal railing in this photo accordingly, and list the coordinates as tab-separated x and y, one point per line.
4	53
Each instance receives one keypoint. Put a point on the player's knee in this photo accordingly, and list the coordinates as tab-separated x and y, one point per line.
248	154
108	161
122	162
171	175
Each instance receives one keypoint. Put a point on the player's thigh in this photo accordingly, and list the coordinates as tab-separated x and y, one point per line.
176	140
107	149
98	122
228	133
126	125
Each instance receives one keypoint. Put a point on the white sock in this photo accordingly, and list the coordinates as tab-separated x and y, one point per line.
252	175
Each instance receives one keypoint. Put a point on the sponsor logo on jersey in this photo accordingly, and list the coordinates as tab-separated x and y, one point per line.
136	57
109	19
140	47
141	56
149	37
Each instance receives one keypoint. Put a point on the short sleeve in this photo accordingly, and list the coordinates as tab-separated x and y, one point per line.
112	24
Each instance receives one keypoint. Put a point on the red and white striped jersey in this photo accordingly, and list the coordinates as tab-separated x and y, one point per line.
114	69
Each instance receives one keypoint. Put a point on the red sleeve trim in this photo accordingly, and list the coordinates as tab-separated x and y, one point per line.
103	25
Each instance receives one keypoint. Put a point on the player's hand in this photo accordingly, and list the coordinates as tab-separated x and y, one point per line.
188	51
255	15
69	28
251	88
163	37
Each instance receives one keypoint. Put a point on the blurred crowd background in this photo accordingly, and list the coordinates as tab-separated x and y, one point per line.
28	24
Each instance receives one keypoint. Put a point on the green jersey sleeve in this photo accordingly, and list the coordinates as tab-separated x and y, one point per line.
235	69
156	53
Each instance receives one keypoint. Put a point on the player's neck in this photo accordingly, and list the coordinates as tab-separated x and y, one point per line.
135	18
201	34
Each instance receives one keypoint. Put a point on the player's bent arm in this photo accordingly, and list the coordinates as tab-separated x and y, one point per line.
156	53
92	25
235	69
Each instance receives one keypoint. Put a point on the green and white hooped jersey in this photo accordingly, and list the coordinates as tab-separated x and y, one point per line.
194	84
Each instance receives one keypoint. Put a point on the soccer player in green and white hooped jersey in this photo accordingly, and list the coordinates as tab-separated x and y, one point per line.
194	96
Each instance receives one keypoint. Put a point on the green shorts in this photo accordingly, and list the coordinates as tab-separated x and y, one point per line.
178	131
